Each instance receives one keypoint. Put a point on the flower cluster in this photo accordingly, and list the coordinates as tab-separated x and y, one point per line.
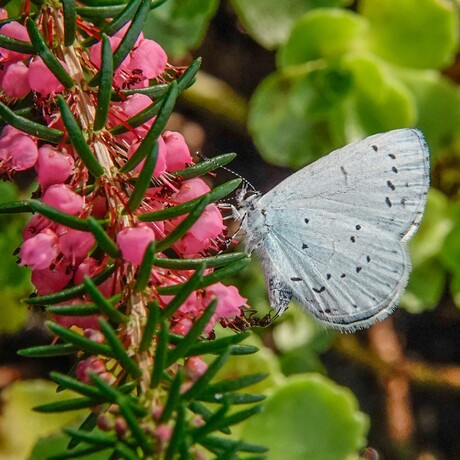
60	256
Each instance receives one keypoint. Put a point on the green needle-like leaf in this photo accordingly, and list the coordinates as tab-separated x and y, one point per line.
89	346
150	326
225	386
117	23
160	354
69	404
188	76
160	122
104	241
70	293
190	264
30	127
99	438
99	12
87	425
186	289
199	408
173	398
125	452
177	436
145	269
82	452
105	305
76	385
78	139
176	234
217	345
50	60
215	194
47	351
200	385
205	166
144	179
212	278
192	336
119	349
70	21
225	443
105	87
13	44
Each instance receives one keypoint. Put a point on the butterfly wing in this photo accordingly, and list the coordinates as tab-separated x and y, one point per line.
333	234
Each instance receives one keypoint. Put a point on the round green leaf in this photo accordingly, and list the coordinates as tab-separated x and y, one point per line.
425	288
310	417
323	33
295	116
438	107
413	33
380	101
269	21
180	25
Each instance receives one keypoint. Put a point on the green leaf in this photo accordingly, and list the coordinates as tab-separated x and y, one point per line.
160	354
150	327
70	293
70	21
103	239
233	384
145	269
192	336
225	443
180	25
104	305
30	127
46	351
425	288
105	87
270	21
205	166
177	435
78	139
215	194
79	310
144	179
323	34
150	139
313	414
190	264
119	349
173	401
217	345
296	115
413	33
14	44
380	101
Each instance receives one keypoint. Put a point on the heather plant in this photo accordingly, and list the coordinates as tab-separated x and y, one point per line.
124	241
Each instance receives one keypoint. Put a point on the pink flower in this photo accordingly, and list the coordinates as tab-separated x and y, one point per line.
53	167
229	300
62	197
133	242
15	81
42	80
14	30
195	367
191	189
51	280
39	251
17	149
163	433
91	365
150	58
160	166
177	151
75	244
35	226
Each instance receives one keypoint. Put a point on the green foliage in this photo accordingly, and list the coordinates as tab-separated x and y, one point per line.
179	25
309	417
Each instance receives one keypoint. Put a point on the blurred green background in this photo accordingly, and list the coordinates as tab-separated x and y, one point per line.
283	83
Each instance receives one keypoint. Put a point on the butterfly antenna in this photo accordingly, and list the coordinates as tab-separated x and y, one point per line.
245	181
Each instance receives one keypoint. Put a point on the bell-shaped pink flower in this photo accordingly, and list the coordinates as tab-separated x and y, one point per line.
35	226
61	197
51	280
195	367
53	167
17	149
150	58
42	80
133	242
191	189
177	151
75	244
160	166
39	251
15	80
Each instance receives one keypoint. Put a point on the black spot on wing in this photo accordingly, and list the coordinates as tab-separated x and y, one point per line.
320	290
304	246
328	276
306	220
393	157
358	227
352	239
391	185
296	278
394	169
388	202
375	148
358	269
